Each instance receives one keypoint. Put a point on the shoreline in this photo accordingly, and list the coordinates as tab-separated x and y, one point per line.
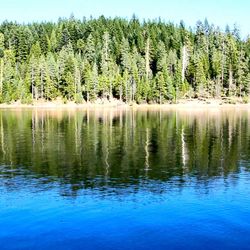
192	104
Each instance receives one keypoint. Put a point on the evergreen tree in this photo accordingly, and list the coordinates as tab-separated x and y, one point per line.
1	63
148	61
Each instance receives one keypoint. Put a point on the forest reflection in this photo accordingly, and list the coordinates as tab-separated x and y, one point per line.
119	149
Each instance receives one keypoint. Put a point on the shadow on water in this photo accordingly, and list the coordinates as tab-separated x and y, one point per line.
119	151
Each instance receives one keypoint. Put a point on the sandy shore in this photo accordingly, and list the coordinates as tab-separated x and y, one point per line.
192	104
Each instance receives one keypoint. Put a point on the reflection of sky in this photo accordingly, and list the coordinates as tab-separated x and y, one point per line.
191	218
220	12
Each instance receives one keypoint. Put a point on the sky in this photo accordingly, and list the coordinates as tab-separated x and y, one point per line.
218	12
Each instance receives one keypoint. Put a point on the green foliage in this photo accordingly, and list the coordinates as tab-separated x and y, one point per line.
78	98
151	61
245	99
1	53
27	99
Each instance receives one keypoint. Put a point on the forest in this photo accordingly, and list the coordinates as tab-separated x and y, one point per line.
131	60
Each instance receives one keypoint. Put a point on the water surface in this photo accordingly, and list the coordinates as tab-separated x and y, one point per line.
114	179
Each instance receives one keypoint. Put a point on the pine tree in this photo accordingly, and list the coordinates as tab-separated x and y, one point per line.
52	42
217	58
42	68
89	50
200	76
51	74
1	62
148	61
105	65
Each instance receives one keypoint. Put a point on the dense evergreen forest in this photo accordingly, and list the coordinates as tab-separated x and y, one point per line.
131	60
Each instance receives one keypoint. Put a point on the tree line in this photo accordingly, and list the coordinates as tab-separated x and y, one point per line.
130	60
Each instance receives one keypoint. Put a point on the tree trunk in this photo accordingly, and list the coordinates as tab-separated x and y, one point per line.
32	82
223	62
110	90
42	84
147	59
230	81
1	76
184	62
126	86
87	96
120	92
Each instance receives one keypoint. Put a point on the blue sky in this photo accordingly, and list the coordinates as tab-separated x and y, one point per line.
219	12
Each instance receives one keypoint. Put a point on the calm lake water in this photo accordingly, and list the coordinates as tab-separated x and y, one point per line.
124	180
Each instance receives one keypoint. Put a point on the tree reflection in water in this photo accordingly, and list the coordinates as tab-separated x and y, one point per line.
122	151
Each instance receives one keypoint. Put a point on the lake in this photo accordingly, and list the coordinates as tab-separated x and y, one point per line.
124	179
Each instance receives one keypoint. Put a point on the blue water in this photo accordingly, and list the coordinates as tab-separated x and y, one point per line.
42	208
